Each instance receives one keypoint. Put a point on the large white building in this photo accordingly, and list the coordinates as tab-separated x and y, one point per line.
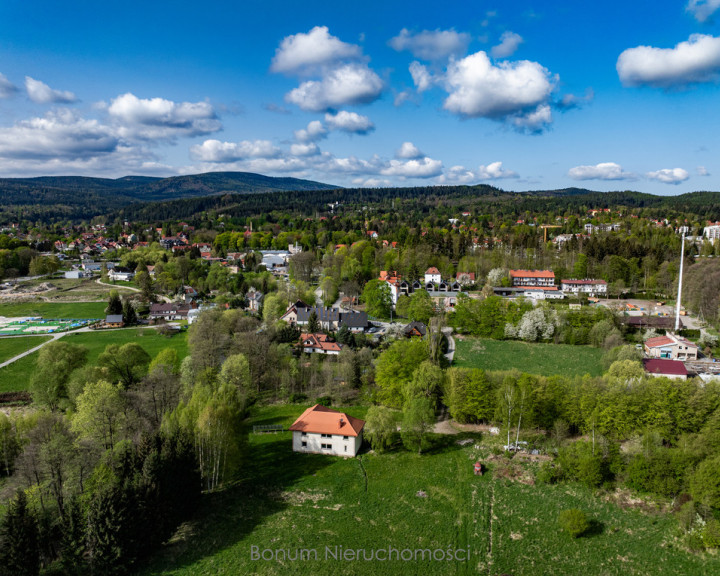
322	430
586	286
712	232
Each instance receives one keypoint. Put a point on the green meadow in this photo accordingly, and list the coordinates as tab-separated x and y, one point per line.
16	376
11	347
540	359
284	503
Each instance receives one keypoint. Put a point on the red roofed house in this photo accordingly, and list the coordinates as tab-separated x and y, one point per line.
393	279
667	368
542	278
465	278
672	347
433	275
326	431
319	344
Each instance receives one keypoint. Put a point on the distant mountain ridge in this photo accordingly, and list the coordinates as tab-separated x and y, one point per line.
83	197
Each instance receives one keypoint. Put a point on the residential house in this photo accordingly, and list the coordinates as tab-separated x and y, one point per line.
586	286
322	430
291	313
121	275
254	300
114	321
415	329
393	280
170	311
433	275
74	274
671	347
665	368
318	343
465	278
712	232
332	319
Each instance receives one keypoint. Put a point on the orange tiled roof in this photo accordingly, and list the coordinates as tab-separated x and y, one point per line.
322	420
532	273
659	341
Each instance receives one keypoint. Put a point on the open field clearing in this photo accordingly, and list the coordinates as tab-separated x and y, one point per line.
284	502
16	376
74	310
11	347
541	359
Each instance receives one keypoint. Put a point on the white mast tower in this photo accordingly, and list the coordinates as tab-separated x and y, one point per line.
684	230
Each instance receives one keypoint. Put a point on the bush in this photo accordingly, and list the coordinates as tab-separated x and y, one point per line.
324	401
711	534
297	398
575	522
548	473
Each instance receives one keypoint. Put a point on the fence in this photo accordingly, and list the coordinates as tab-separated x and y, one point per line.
268	428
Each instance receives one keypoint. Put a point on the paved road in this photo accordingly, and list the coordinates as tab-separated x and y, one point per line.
450	354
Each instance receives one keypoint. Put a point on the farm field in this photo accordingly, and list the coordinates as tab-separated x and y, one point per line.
540	359
288	501
74	310
16	376
11	347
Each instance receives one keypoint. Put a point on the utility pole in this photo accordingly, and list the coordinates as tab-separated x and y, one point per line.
684	230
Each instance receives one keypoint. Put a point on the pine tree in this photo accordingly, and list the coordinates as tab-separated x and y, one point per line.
114	303
313	323
128	312
20	551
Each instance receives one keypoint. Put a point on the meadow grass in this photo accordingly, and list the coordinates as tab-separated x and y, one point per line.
540	359
11	347
73	310
16	376
283	500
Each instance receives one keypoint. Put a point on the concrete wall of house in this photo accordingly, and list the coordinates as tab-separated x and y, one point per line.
341	445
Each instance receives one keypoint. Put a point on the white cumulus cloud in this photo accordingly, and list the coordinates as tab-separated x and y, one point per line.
431	44
60	134
421	76
157	118
7	88
417	168
494	171
315	131
310	53
509	42
349	122
602	171
702	9
694	61
702	171
408	151
41	93
669	175
304	149
217	151
515	91
347	85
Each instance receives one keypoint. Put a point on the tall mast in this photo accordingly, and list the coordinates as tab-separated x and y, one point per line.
679	294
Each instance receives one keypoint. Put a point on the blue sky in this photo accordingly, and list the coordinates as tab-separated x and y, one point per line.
518	94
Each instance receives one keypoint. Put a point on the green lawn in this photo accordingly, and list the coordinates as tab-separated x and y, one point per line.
10	347
288	501
16	376
74	310
541	359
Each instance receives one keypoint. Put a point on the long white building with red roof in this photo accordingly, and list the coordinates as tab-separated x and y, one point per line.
322	430
532	278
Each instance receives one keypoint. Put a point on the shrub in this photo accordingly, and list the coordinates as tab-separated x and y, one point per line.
711	534
549	473
575	522
324	401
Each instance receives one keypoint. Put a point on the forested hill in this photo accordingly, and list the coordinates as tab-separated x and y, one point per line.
426	200
51	198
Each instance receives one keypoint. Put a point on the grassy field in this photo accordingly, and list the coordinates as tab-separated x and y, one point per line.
16	376
10	347
542	359
288	501
75	310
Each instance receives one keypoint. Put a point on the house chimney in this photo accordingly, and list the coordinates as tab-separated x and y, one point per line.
342	422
